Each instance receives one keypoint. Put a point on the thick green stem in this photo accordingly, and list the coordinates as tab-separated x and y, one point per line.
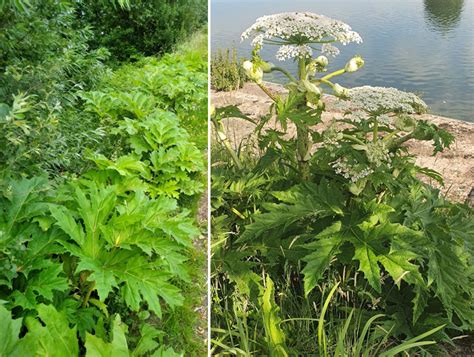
88	294
394	144
375	130
302	68
303	142
333	74
352	138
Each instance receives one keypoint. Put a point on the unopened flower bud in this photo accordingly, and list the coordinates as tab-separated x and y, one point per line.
354	64
340	91
253	72
322	61
317	64
247	65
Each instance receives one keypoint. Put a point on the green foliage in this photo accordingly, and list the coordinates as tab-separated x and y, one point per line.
226	71
337	207
48	334
114	240
146	27
175	83
47	61
98	241
98	180
275	337
44	62
164	160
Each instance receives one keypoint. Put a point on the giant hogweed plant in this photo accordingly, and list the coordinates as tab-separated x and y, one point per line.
352	201
80	255
113	243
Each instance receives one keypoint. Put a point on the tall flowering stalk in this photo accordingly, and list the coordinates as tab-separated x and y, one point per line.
301	36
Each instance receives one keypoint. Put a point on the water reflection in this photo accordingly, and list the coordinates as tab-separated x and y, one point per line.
443	15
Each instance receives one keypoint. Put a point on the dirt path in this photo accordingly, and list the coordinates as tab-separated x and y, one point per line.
455	164
200	244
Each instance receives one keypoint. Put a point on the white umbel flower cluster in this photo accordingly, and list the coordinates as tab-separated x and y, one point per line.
349	171
292	51
296	30
381	100
330	50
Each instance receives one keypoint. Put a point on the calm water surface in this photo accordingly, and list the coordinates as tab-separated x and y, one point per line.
422	46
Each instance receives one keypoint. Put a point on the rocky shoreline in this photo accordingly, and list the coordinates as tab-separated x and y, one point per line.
455	164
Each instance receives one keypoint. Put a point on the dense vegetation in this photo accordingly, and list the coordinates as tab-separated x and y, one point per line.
100	177
226	70
326	240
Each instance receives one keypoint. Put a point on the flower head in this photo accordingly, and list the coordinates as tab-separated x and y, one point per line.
295	31
293	51
381	100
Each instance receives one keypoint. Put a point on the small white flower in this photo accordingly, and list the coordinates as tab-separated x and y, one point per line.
293	51
381	100
330	50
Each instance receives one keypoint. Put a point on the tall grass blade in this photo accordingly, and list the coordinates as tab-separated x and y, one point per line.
322	345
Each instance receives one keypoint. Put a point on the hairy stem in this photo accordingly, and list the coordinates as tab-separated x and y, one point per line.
395	143
302	68
375	130
303	142
267	92
353	138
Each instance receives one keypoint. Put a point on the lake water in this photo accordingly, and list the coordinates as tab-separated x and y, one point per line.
422	46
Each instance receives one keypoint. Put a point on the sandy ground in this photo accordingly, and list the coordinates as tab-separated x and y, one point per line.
455	164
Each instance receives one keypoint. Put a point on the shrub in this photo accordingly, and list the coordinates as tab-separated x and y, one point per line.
145	27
